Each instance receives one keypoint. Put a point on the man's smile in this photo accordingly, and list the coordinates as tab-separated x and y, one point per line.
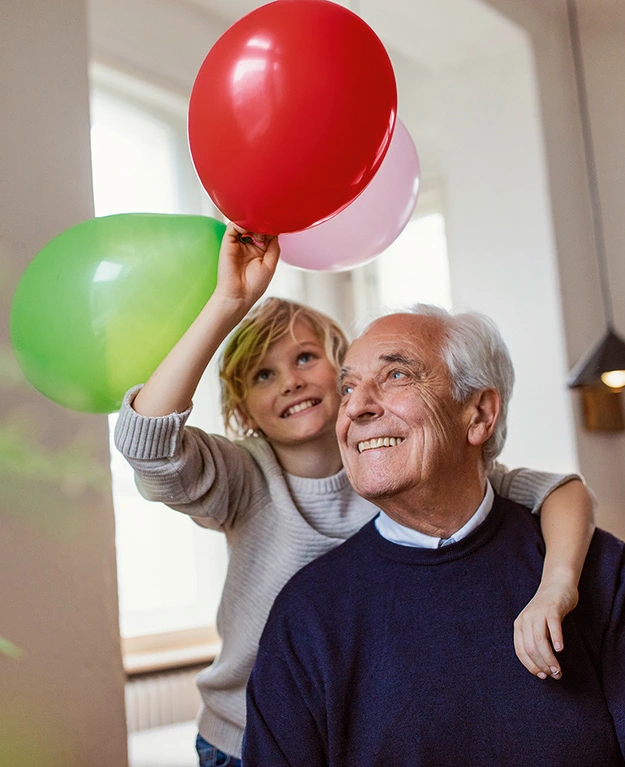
371	444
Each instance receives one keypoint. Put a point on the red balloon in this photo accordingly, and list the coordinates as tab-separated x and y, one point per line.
291	114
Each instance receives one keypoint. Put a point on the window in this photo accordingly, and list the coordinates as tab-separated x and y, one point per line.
170	571
414	269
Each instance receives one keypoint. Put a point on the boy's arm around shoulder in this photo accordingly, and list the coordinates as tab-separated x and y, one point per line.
527	486
567	519
567	510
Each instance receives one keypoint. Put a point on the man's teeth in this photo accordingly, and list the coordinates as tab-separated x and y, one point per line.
379	442
300	407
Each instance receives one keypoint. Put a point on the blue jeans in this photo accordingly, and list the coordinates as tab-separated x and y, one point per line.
213	757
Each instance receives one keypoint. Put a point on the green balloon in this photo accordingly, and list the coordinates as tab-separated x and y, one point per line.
103	303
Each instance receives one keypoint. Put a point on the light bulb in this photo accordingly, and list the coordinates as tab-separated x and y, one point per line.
615	379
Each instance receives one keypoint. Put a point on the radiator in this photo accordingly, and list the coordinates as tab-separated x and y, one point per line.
166	697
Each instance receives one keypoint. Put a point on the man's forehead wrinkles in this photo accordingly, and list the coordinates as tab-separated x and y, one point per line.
399	357
383	359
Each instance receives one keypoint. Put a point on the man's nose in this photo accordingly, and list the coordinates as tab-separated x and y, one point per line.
363	402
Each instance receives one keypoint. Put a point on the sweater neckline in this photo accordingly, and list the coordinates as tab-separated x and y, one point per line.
452	552
317	485
307	485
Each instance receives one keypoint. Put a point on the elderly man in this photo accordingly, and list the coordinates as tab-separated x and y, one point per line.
396	647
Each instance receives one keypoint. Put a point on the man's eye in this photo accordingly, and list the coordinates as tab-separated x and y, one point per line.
397	374
346	389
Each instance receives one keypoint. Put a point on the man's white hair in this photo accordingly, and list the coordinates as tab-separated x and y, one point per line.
477	359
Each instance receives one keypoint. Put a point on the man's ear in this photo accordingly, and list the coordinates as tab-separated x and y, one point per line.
484	413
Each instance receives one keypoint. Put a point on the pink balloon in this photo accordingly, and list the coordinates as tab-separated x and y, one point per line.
369	224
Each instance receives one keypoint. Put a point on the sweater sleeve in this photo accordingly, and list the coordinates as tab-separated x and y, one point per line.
205	476
526	486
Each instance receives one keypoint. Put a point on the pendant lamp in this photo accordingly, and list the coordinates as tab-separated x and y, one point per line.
604	362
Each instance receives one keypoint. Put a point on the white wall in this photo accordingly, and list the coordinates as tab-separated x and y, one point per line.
478	132
602	27
61	689
162	41
501	247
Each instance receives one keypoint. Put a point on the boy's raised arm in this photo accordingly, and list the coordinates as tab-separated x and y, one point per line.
246	266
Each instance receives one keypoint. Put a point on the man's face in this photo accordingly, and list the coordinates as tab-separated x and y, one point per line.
399	429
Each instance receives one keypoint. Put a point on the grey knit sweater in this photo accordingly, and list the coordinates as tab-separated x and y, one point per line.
275	523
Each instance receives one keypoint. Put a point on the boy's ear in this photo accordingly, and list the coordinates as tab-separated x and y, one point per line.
483	414
248	422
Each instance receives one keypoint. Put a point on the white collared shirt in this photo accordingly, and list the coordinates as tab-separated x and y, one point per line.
406	536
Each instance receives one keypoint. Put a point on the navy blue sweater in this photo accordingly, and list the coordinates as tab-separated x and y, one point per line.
378	654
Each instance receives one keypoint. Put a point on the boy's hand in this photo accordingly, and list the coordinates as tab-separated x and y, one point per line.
247	262
538	628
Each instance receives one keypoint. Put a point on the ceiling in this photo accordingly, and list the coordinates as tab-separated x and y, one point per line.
434	34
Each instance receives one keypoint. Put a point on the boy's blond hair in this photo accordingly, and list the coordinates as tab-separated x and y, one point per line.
267	323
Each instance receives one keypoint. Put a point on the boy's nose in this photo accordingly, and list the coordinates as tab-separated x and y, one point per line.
292	382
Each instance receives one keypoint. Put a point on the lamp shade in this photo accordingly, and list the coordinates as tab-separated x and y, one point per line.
606	356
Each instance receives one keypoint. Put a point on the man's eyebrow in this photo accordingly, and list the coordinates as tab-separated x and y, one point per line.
414	364
401	359
389	359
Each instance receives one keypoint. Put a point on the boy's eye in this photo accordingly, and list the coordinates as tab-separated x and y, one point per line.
305	357
262	375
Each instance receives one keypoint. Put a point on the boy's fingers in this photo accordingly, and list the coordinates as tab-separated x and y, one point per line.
525	659
249	238
234	230
273	247
520	648
555	632
546	659
534	650
536	657
252	238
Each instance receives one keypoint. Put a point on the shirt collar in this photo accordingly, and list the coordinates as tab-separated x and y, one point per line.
406	536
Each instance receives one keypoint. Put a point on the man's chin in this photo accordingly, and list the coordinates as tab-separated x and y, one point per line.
372	490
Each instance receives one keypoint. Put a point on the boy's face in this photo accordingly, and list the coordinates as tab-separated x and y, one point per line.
292	396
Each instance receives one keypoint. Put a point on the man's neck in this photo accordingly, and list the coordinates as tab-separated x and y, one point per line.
440	512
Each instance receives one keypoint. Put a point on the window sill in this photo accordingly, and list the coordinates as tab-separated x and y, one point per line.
170	650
